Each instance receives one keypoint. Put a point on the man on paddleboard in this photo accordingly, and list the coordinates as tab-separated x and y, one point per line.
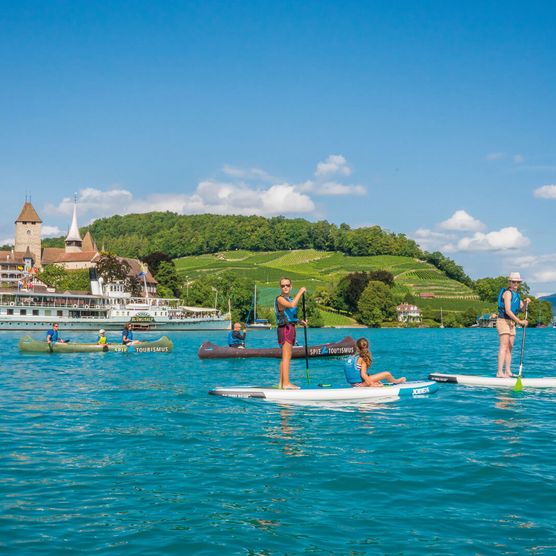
285	308
509	305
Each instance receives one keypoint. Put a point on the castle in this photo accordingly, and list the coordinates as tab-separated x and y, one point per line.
28	256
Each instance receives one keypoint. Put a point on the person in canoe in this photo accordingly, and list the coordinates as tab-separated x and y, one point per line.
285	308
236	336
127	335
102	339
358	366
509	305
53	335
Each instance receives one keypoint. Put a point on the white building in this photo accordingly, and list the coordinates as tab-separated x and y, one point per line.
409	313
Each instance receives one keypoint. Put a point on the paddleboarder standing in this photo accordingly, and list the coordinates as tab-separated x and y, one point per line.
285	308
509	305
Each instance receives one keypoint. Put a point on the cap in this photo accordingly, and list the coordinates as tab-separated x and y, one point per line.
101	331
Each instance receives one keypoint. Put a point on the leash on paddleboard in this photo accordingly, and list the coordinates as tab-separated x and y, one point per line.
305	332
518	384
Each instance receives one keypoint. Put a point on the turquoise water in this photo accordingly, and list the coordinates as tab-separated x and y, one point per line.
127	454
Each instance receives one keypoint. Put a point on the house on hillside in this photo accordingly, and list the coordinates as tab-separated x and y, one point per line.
409	313
487	320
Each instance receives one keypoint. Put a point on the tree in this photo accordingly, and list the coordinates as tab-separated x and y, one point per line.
167	277
58	277
376	304
112	269
154	259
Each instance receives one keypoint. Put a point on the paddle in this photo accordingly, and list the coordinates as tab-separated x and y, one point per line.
518	384
306	347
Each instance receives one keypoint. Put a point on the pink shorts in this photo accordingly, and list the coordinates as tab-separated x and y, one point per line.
286	334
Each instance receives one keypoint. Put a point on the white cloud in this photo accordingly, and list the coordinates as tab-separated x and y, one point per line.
518	159
334	188
7	241
501	240
246	173
463	222
495	156
545	192
431	240
334	164
51	231
545	276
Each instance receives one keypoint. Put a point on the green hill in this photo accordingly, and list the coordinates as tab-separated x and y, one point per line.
312	268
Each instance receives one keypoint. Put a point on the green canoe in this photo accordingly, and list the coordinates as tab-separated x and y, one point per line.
163	344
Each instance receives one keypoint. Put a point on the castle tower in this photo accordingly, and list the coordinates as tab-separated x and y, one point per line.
74	243
28	227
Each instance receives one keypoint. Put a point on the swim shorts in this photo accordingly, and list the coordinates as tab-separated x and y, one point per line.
286	334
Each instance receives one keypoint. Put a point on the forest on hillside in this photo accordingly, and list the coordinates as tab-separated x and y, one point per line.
138	235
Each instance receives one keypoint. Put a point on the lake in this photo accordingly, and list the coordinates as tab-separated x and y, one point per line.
127	454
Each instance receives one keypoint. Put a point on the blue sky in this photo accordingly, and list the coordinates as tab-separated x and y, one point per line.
433	119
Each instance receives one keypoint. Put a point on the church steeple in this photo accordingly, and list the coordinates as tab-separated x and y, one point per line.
74	243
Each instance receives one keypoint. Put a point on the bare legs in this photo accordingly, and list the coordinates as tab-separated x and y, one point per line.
505	355
285	367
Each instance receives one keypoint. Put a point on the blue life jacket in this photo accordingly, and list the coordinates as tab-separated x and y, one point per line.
53	335
236	340
514	305
285	315
127	333
352	370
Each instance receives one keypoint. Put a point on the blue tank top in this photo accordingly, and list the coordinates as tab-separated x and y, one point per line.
514	304
286	315
53	335
128	333
352	370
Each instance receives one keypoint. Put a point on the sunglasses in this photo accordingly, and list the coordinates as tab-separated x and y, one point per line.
285	285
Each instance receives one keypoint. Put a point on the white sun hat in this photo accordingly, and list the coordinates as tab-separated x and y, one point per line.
515	277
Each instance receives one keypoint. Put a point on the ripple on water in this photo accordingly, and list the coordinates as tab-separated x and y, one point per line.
128	454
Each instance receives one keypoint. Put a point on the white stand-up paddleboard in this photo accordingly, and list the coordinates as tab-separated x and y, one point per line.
344	393
494	382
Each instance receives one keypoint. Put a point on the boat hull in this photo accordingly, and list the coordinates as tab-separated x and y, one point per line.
29	345
208	350
492	381
346	393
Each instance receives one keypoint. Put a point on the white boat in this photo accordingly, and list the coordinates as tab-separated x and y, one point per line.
344	393
492	381
24	310
256	323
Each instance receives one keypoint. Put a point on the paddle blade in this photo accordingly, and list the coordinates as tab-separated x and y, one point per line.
518	385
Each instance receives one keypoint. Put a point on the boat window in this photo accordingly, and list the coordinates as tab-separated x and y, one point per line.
60	313
35	312
23	311
10	311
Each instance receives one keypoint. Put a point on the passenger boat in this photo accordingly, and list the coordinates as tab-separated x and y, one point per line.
24	310
346	346
30	345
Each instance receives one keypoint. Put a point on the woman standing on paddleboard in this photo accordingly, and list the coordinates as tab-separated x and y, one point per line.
509	305
285	308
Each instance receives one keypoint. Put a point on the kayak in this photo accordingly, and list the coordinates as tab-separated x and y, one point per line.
208	350
28	344
493	382
324	393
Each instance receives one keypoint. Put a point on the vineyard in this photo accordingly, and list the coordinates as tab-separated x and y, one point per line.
313	269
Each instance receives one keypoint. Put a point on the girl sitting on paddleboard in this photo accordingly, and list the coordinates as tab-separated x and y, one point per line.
358	366
285	308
